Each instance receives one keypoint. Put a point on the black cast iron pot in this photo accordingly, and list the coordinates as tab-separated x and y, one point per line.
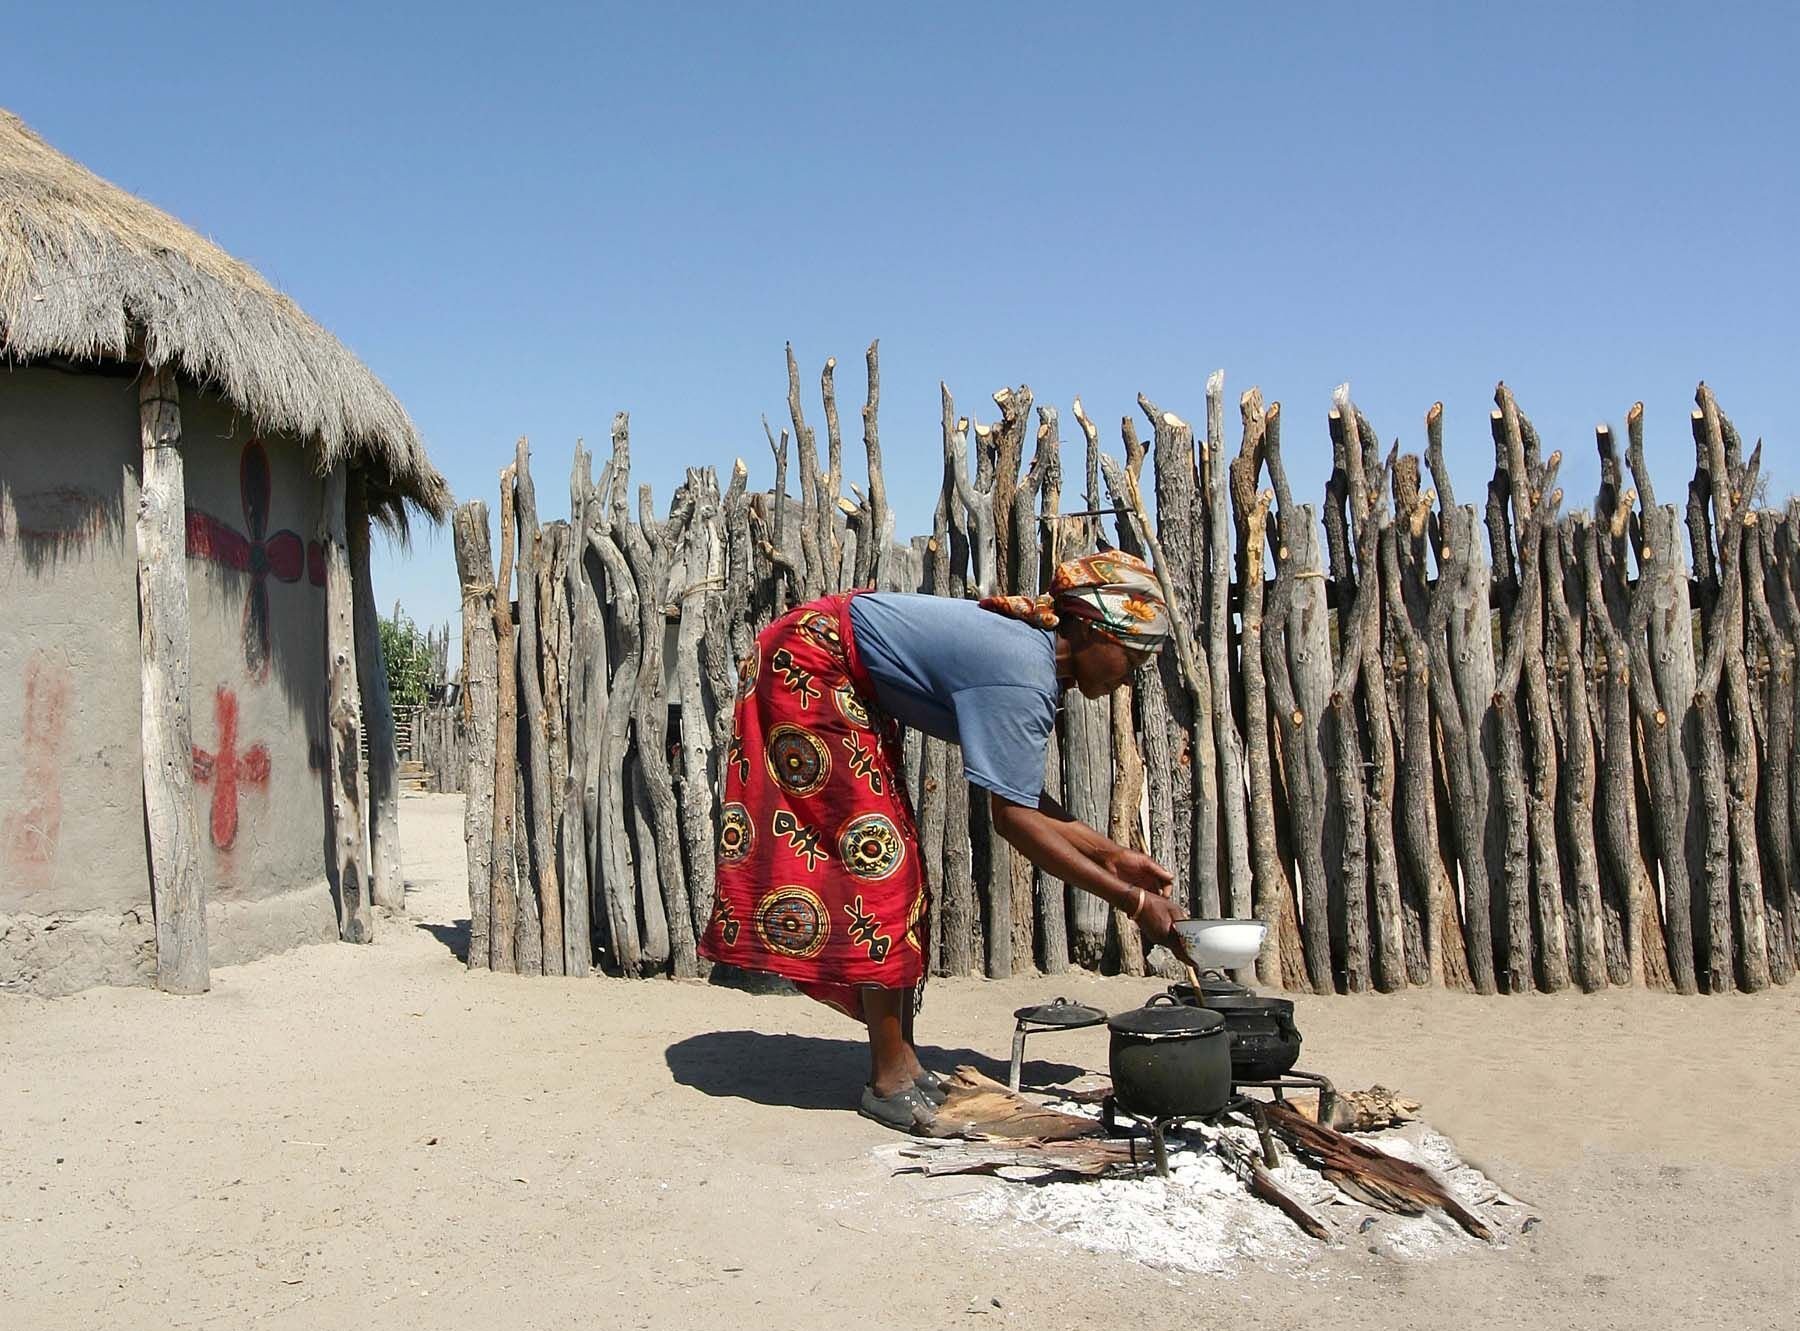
1169	1060
1265	1043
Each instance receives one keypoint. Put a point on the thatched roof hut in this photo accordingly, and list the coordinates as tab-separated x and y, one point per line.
188	470
91	273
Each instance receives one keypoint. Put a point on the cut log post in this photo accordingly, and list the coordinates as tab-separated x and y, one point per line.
1304	798
1006	453
1356	620
528	935
1181	570
1743	769
1709	522
541	791
171	826
564	697
1381	716
881	517
1177	551
586	721
613	861
1579	778
1221	838
1612	515
1290	812
996	886
1788	550
1547	877
1150	721
938	778
814	579
741	575
1274	894
343	710
1777	793
1368	505
727	620
1283	956
1609	612
656	948
976	496
1530	813
1606	575
1122	823
782	579
1732	484
703	572
1050	893
1452	613
1023	549
1404	597
1089	735
957	904
1510	505
647	546
387	886
838	559
1663	679
1300	677
1416	809
503	910
475	570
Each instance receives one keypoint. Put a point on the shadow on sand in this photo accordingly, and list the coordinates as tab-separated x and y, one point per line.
454	936
812	1072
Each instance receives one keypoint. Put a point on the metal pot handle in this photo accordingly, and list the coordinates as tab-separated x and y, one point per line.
1163	997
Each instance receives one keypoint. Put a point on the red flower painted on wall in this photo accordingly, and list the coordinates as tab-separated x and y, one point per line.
257	551
227	769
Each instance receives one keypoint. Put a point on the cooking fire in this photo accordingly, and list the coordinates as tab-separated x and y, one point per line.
1204	1106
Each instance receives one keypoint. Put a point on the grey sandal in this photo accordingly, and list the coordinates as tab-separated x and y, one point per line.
932	1087
906	1110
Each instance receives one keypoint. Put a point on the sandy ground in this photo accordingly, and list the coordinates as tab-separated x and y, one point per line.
374	1137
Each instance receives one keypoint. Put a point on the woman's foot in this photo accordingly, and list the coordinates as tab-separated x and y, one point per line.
906	1110
931	1086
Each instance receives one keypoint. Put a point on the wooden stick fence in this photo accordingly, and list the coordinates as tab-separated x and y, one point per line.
1557	757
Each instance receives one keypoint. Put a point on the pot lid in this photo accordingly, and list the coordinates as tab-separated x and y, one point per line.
1061	1012
1166	1019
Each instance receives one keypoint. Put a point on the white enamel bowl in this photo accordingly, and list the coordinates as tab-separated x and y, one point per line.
1222	944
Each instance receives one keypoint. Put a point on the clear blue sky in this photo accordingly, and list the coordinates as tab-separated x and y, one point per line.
527	219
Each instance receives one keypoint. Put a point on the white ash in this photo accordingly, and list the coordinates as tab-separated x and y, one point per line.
1203	1219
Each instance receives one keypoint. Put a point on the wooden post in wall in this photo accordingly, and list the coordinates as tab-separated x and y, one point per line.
177	889
343	717
387	887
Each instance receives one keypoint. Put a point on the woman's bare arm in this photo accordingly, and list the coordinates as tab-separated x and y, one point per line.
1057	846
1089	840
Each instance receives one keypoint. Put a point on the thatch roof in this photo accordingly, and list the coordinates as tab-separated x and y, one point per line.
89	272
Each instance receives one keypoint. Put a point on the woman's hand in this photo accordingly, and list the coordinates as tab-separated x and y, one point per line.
1139	870
1157	917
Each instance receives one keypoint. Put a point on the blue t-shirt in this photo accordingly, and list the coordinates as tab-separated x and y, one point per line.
966	675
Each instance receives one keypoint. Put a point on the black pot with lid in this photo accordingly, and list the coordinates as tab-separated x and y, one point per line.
1169	1060
1265	1042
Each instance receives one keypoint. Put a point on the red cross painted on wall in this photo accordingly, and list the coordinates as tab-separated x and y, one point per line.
262	554
227	769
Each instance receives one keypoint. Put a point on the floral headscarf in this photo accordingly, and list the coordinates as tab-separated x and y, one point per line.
1114	592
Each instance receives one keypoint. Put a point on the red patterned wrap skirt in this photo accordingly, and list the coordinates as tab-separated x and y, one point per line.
819	873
